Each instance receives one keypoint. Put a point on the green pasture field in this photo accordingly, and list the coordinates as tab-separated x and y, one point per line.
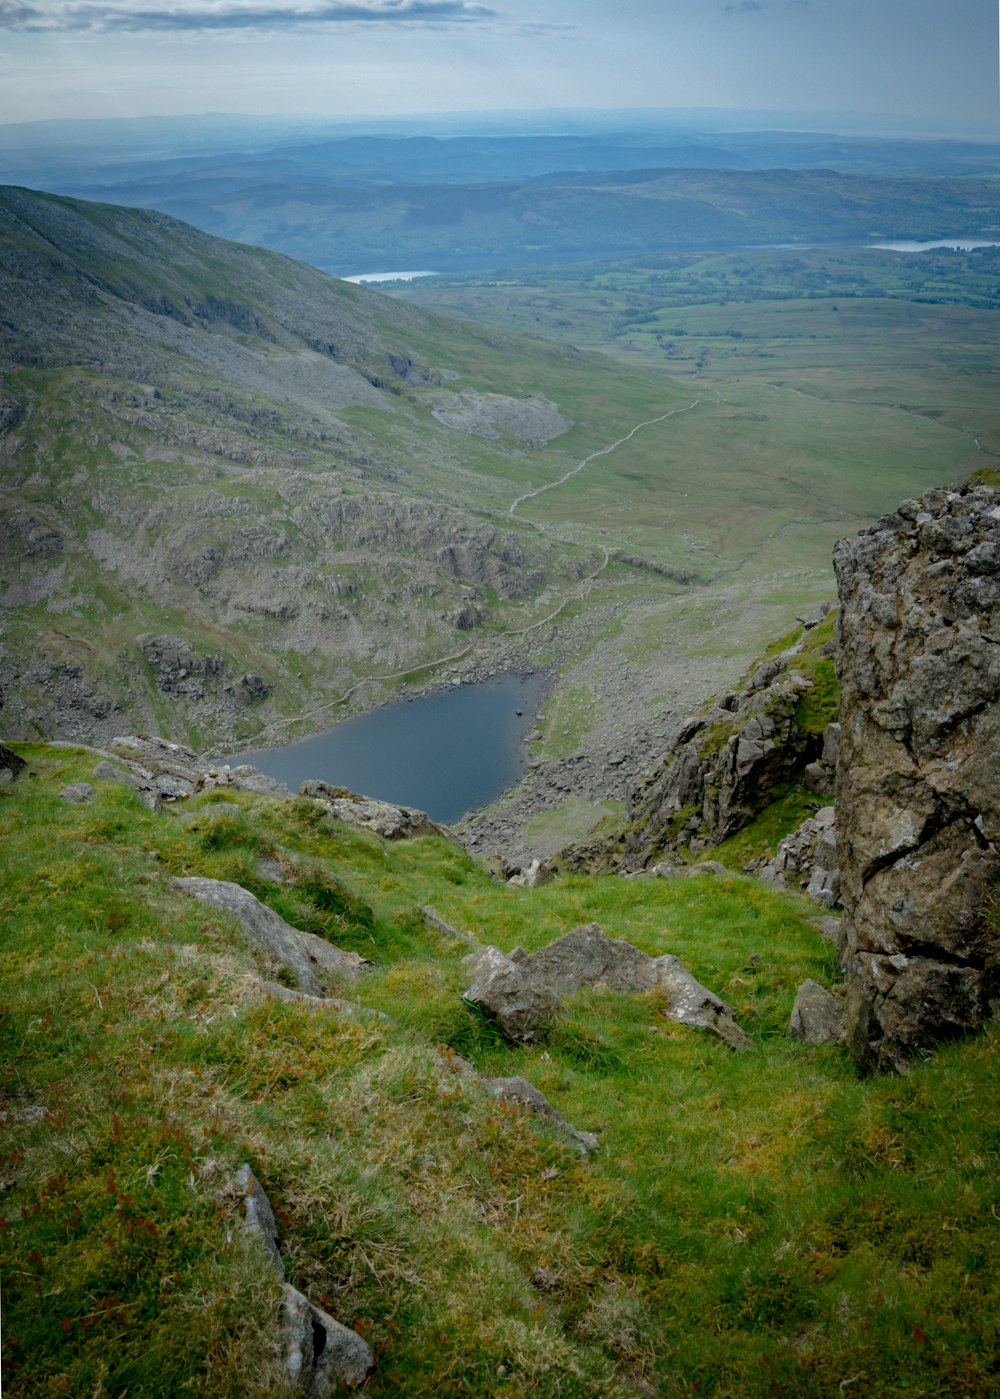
827	385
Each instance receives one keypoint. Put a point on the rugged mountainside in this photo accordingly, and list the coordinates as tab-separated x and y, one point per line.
918	786
731	760
321	1129
229	480
910	846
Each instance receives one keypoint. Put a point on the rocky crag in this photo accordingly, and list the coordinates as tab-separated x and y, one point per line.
909	850
729	762
918	793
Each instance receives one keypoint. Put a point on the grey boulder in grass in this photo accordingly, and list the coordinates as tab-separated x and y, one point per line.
524	995
321	1355
304	955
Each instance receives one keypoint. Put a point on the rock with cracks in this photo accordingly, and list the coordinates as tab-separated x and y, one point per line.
523	994
321	1355
307	957
807	860
817	1015
918	800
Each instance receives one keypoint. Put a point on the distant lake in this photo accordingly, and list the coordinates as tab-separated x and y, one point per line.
899	245
388	276
961	245
446	753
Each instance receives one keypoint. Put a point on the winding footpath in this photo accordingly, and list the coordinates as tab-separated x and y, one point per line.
577	592
603	452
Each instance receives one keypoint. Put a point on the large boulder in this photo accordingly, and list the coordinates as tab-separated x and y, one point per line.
523	993
524	1009
387	820
306	957
918	788
586	956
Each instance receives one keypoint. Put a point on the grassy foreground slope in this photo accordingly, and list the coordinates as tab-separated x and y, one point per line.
751	1224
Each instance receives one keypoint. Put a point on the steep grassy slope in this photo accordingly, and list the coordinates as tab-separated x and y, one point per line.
751	1224
233	486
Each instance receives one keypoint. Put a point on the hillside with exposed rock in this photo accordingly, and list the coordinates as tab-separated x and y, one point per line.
234	487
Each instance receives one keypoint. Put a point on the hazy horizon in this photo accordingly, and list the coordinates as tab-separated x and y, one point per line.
891	61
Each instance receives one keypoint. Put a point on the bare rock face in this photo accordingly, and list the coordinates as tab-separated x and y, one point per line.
808	860
918	783
367	813
723	767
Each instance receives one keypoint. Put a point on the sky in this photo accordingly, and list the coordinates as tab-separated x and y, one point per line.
346	58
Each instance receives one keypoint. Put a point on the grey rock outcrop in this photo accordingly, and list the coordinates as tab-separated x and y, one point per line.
519	1090
918	796
77	793
242	778
321	1355
690	1003
722	768
586	956
807	860
173	769
523	993
367	813
10	762
817	1015
538	872
144	787
304	955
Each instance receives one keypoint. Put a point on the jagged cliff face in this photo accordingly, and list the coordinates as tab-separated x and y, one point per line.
918	788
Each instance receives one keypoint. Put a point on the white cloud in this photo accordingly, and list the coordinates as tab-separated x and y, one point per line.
124	18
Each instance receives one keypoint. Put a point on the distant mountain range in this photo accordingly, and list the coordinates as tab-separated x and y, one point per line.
352	203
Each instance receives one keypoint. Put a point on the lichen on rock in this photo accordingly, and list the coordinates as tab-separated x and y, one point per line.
918	798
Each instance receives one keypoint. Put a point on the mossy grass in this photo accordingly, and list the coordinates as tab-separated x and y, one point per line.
757	1224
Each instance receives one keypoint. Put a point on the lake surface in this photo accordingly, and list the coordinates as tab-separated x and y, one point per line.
388	276
962	245
447	752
